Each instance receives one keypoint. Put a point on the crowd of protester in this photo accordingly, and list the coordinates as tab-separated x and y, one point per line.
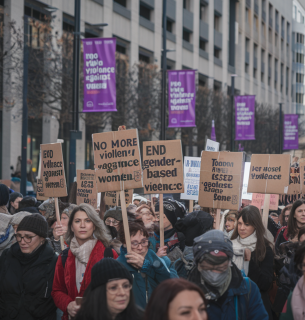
241	271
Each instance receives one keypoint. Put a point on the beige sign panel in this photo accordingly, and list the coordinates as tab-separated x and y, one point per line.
302	174
112	198
52	170
258	200
163	167
117	160
86	188
40	193
269	173
221	179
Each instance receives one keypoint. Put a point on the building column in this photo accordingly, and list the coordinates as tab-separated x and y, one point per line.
134	45
179	34
196	35
211	44
225	44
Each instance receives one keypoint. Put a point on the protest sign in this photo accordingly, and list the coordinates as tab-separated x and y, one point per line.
302	174
245	194
258	200
86	188
99	75
39	192
163	167
221	177
112	198
213	133
117	160
191	178
212	145
269	173
52	170
291	132
294	183
244	117
181	98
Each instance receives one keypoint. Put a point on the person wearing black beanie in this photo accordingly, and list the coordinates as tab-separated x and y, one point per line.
109	293
4	198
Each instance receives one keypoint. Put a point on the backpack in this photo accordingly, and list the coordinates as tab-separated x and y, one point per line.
64	255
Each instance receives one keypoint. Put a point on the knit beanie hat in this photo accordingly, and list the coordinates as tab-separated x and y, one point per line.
35	223
107	269
173	210
15	195
115	213
4	195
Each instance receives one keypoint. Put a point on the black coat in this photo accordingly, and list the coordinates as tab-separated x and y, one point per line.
25	289
262	274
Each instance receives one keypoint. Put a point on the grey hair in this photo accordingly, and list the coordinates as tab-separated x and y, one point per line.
101	232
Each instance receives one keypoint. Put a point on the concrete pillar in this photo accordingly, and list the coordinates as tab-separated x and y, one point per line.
158	44
108	13
12	89
134	45
211	44
179	34
196	36
225	44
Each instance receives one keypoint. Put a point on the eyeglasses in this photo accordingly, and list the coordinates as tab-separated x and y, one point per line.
143	243
27	239
110	222
114	289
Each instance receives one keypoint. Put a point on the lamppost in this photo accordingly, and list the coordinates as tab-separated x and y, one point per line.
280	128
164	51
232	110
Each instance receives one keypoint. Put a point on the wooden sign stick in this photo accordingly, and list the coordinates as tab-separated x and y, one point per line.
62	244
125	221
266	210
217	219
191	205
161	211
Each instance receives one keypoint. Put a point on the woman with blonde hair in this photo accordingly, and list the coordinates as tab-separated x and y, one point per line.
88	240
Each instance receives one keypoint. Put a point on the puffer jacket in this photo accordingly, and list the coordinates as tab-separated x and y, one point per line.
25	289
154	271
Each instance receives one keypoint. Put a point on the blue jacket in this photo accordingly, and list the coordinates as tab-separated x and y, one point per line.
154	271
247	297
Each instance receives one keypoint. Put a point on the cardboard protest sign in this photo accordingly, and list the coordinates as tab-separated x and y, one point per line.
39	193
212	145
191	178
259	198
294	184
112	198
302	174
86	188
163	167
221	179
117	160
269	173
52	170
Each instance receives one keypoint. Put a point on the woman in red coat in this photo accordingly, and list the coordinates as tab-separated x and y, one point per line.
88	241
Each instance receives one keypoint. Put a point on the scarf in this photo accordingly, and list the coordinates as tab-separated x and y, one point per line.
82	254
298	300
3	209
27	258
228	234
239	246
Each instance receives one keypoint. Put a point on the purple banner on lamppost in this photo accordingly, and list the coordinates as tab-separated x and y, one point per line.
213	134
181	98
291	132
245	118
99	75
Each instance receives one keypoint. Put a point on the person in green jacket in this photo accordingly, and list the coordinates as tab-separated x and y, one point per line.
146	268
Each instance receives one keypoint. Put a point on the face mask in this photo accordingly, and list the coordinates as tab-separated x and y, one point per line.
214	279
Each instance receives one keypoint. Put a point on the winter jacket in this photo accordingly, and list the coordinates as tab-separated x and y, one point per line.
287	310
7	240
261	273
64	285
250	304
281	238
56	245
25	288
154	271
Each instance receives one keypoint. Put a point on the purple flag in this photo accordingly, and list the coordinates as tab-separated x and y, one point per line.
291	132
245	118
213	134
99	75
181	98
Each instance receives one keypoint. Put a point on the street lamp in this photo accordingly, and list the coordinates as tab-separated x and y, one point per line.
232	110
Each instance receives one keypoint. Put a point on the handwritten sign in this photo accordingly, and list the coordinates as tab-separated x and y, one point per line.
302	174
259	198
112	198
117	160
269	173
191	178
221	179
52	170
163	167
39	192
212	145
86	188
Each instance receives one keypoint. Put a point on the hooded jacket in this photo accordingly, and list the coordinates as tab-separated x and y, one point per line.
25	288
64	286
154	271
250	305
